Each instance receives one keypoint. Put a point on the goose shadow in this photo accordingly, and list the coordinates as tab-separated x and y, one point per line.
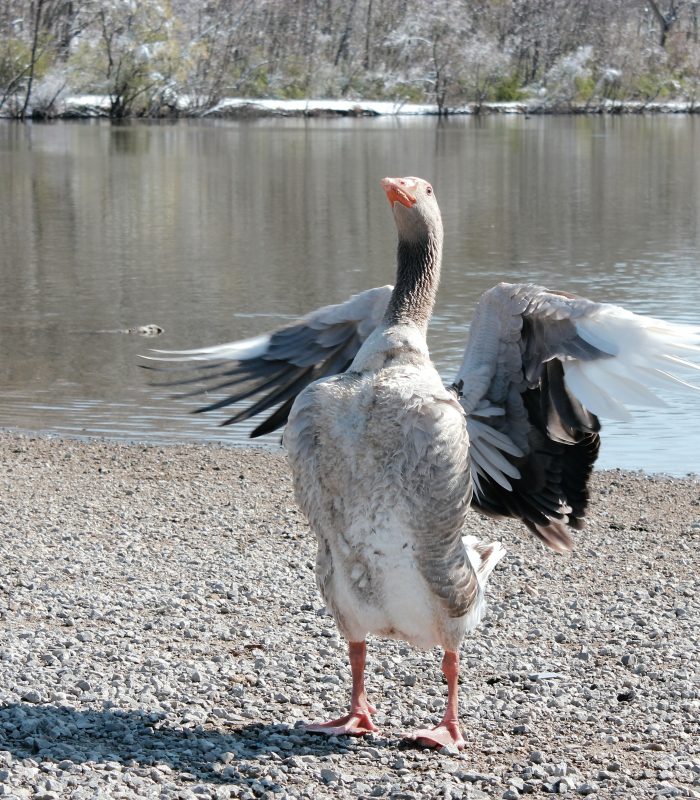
140	738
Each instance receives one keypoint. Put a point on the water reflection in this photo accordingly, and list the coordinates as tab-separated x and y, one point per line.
220	230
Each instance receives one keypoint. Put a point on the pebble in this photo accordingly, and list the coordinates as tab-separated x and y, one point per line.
330	776
586	788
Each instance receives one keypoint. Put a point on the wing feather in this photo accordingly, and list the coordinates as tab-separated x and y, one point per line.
552	363
270	370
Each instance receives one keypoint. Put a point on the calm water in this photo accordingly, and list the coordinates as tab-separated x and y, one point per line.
222	230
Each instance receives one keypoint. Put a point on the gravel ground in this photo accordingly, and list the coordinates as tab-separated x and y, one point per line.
163	637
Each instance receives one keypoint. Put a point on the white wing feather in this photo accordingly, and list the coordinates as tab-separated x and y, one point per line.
245	349
643	350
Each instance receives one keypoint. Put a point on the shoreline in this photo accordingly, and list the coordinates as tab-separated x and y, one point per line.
163	634
263	446
98	107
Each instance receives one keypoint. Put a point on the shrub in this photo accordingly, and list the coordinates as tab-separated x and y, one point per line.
135	60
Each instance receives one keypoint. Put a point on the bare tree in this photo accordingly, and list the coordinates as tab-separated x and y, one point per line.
36	29
214	52
666	18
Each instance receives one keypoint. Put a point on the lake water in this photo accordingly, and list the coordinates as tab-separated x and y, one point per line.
221	230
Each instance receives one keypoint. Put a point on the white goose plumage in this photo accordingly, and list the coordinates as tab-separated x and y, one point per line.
387	461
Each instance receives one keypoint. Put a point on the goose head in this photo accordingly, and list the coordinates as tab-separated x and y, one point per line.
415	208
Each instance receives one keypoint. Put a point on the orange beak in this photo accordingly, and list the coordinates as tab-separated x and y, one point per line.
399	190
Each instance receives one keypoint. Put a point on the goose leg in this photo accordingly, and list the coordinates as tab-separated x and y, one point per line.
358	721
448	731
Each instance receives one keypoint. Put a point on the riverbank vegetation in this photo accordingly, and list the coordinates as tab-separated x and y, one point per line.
157	58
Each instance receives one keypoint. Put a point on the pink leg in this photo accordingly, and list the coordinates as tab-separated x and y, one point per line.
448	731
358	721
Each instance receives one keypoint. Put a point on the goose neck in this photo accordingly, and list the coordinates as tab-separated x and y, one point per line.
417	279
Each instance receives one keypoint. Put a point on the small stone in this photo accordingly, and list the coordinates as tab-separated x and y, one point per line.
535	757
629	659
31	697
510	794
586	788
544	676
329	775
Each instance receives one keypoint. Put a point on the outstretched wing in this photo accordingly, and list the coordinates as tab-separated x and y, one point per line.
270	370
539	369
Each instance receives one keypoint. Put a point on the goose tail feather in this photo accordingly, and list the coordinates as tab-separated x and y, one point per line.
483	557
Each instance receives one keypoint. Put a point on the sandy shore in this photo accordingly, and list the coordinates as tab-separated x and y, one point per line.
163	636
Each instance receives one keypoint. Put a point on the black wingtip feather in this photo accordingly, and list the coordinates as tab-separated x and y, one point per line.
552	493
274	421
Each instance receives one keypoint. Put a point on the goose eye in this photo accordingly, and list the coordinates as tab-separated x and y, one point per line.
429	190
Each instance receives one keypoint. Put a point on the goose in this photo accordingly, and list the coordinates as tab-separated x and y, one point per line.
387	460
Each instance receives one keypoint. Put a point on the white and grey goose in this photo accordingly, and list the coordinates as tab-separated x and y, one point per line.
387	461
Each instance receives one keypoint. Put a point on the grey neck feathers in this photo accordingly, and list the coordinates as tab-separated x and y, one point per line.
417	279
